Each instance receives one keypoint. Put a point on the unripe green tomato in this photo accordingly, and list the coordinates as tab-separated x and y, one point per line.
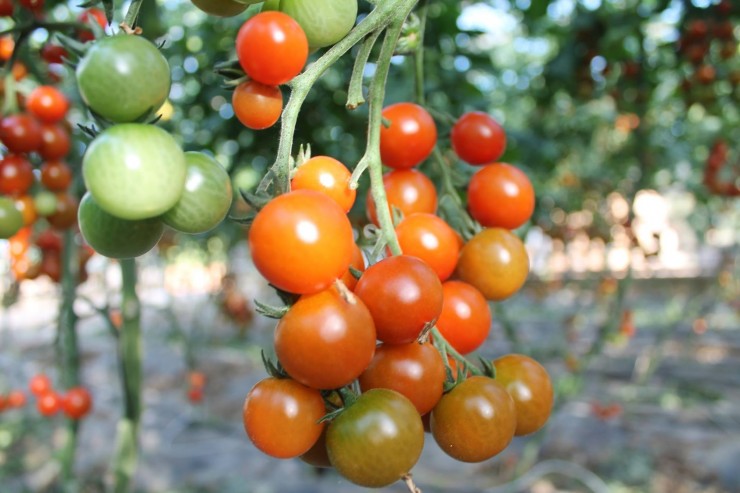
206	199
224	8
324	21
115	237
45	203
11	219
123	78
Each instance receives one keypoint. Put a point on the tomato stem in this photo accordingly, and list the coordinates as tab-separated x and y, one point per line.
419	54
446	349
355	97
409	481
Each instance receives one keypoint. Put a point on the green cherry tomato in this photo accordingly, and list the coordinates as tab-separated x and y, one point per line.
377	439
206	199
45	203
113	237
223	8
324	21
135	171
11	219
123	78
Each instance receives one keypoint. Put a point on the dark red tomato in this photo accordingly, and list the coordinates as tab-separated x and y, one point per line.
500	195
272	48
529	385
51	265
495	262
6	8
55	142
20	133
77	403
16	175
91	15
408	190
281	417
56	176
47	103
403	295
431	239
376	440
49	240
256	105
49	404
357	263
16	399
477	138
475	420
66	213
317	455
326	339
326	175
301	241
414	370
410	136
3	403
465	320
32	5
52	53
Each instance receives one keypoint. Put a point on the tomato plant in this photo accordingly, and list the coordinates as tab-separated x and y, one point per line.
256	105
410	136
477	138
529	385
376	440
326	339
500	195
324	21
272	48
326	175
465	320
301	241
431	239
281	417
408	190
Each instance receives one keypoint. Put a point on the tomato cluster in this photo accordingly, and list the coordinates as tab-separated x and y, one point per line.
75	403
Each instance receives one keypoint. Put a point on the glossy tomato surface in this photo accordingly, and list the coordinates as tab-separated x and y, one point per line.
530	386
47	103
477	138
326	175
16	175
324	21
410	136
222	8
407	190
500	195
256	105
77	402
465	320
431	239
11	219
20	133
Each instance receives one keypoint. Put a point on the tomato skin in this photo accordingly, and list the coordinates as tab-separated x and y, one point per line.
66	214
326	175
27	208
132	68
135	171
114	237
377	439
47	103
281	417
475	420
16	175
272	48
52	53
530	387
301	241
477	138
403	294
40	384
500	195
325	341
465	320
256	105
55	143
408	190
431	239
49	404
410	138
324	22
11	219
20	133
495	262
16	399
206	198
358	263
414	370
6	8
317	455
221	8
76	403
56	176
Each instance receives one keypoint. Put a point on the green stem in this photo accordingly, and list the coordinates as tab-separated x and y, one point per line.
355	97
419	54
386	13
129	354
446	349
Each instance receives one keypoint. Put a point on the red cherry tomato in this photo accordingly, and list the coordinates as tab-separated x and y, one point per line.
357	263
16	399
272	48
465	320
47	103
326	175
477	138
91	15
56	175
16	175
6	8
52	53
256	105
20	133
410	137
49	404
77	403
530	387
408	190
500	195
431	239
55	142
27	208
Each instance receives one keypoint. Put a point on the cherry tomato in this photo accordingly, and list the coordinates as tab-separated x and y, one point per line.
27	208
197	379
500	195
51	265
20	133
56	176
66	214
11	219
3	403
32	5
77	403
20	242
52	53
281	417
408	190
328	176
16	399
475	420
222	8
40	384
326	339
529	385
324	21
357	263
86	17
6	8
414	370
7	46
403	295
195	395
317	455
301	241
49	240
465	320
47	103
49	404
55	143
495	262
272	48
377	439
431	239
410	137
256	105
477	138
16	175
